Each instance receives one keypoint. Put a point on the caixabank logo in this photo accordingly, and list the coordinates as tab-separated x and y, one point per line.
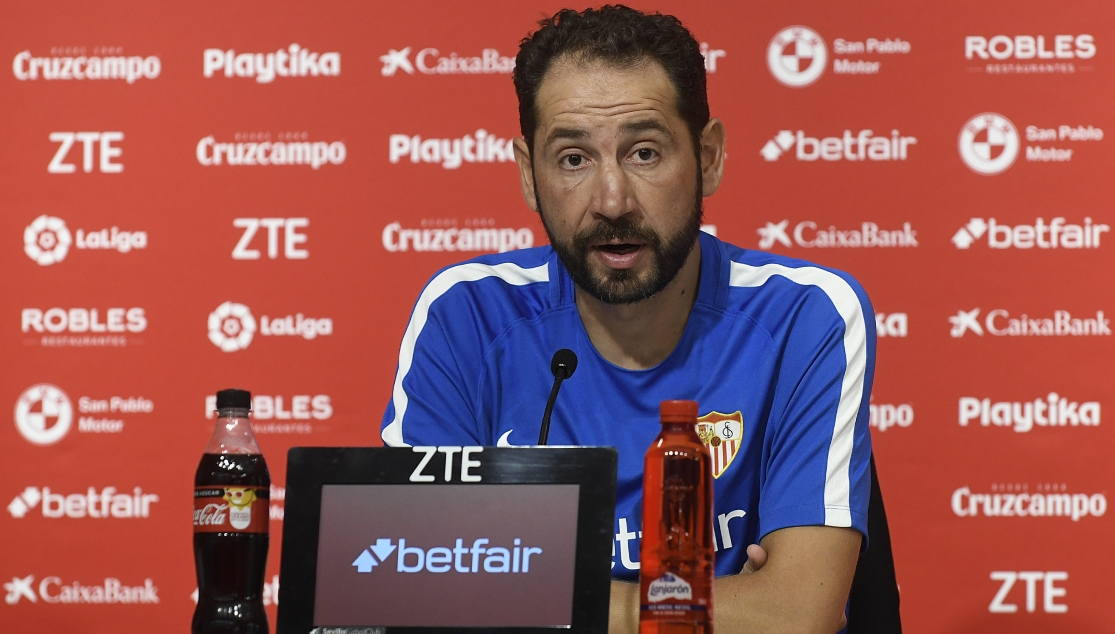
232	326
53	589
47	240
797	56
809	235
990	143
1001	323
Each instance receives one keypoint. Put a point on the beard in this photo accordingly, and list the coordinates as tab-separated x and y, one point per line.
627	286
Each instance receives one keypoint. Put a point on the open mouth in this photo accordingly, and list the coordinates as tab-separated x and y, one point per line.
619	249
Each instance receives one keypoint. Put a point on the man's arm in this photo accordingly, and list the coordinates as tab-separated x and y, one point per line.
801	587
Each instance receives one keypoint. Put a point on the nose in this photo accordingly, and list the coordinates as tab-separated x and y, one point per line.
613	196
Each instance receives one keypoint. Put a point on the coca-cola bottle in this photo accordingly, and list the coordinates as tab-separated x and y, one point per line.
231	513
676	553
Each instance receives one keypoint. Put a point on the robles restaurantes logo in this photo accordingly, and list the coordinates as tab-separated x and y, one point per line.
293	61
232	326
480	147
1000	324
276	414
1052	411
806	234
106	63
68	327
864	146
1011	54
105	503
53	590
440	559
1056	234
47	240
989	143
797	55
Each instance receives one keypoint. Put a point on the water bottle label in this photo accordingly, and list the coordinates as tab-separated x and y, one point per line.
669	586
231	509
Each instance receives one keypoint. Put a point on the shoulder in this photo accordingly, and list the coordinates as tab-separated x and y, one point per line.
494	288
773	289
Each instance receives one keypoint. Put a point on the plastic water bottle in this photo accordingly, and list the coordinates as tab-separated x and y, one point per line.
675	577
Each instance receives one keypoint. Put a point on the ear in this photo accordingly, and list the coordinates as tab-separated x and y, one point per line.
713	143
526	173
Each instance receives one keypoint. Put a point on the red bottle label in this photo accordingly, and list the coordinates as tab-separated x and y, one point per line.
228	509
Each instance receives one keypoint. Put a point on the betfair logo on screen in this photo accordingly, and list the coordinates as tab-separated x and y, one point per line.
480	557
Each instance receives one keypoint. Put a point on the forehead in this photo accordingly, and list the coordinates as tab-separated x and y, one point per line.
599	94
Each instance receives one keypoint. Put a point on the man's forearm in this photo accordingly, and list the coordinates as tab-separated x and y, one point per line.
802	588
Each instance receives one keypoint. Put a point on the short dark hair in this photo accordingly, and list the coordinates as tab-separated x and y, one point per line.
618	35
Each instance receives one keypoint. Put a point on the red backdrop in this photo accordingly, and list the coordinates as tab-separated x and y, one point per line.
854	141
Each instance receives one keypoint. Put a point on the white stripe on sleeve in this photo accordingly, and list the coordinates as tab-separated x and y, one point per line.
837	479
508	272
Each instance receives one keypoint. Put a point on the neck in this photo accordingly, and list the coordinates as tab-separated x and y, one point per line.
641	335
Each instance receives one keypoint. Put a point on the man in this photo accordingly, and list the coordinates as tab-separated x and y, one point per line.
617	152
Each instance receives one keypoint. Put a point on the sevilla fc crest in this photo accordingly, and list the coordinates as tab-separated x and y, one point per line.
722	434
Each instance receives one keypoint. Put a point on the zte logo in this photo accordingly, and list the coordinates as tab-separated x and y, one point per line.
291	238
440	559
1050	592
99	143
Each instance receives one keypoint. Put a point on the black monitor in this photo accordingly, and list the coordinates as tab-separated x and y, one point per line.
447	539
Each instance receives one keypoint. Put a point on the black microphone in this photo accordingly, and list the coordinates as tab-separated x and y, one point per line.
562	365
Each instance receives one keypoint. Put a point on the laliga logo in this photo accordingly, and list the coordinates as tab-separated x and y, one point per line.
988	143
231	327
47	240
797	56
43	414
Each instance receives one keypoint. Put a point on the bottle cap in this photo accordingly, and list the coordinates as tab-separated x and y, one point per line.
233	397
678	411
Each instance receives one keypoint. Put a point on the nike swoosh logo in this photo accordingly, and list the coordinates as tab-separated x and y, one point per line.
502	442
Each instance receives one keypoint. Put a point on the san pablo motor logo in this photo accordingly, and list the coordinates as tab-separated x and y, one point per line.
989	143
43	414
797	56
722	434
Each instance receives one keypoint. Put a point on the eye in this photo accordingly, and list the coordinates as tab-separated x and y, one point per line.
573	160
645	154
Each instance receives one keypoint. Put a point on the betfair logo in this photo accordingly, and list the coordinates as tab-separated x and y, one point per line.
440	559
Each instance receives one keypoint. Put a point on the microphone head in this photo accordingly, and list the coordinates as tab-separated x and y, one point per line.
564	363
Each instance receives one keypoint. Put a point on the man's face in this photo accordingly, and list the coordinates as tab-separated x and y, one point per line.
616	177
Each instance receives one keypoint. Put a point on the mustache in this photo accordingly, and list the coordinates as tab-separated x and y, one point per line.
620	231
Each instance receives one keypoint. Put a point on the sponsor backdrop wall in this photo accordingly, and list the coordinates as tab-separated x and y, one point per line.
252	194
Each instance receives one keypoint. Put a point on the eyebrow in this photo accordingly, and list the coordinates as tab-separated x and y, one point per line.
627	128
